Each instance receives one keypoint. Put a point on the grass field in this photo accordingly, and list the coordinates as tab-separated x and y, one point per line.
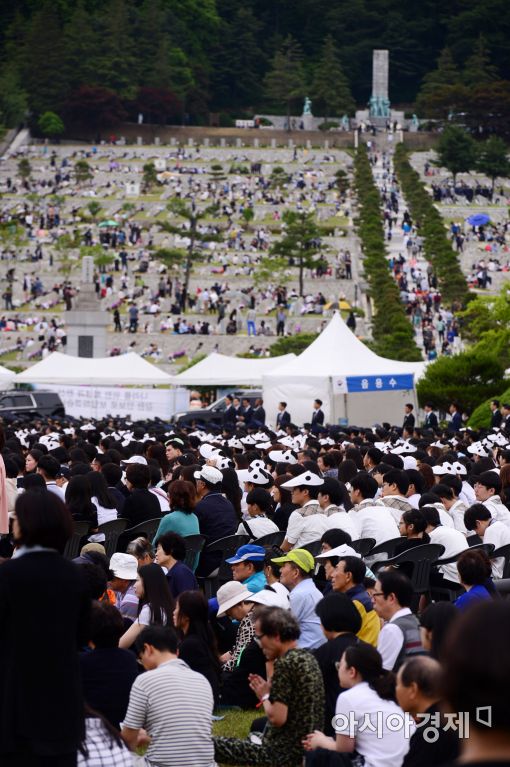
236	724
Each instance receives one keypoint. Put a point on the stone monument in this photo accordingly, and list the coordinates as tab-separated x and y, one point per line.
379	101
87	321
307	117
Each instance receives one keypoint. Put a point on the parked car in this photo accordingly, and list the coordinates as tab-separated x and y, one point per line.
30	404
213	414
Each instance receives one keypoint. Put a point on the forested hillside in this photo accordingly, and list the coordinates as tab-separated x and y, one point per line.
179	60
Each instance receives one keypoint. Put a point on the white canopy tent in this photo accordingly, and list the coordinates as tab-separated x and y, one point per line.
126	369
221	370
6	378
355	385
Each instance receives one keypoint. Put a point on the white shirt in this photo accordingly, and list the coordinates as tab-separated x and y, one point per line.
454	542
54	488
259	526
467	494
498	510
414	500
342	520
456	512
302	530
391	640
162	498
376	522
380	746
498	534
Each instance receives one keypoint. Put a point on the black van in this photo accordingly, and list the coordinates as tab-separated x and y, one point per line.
30	404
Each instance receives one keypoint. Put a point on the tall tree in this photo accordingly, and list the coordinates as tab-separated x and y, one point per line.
493	159
330	85
478	69
441	89
82	46
116	66
189	219
300	244
456	151
44	71
13	98
285	82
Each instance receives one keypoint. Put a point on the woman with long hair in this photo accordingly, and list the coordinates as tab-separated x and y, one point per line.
198	645
283	499
157	452
369	700
155	603
102	498
232	490
79	500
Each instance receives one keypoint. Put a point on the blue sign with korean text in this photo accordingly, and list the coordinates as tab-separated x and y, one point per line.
379	383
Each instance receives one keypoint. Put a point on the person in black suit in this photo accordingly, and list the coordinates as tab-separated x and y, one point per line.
44	611
141	504
259	414
496	416
230	414
318	414
431	421
408	424
246	412
505	423
283	418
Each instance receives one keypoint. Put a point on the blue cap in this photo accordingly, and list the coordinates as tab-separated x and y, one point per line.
247	553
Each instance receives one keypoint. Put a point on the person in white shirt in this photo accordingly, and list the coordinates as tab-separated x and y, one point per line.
331	500
487	489
478	518
453	541
400	637
308	523
49	469
368	700
448	490
259	504
371	520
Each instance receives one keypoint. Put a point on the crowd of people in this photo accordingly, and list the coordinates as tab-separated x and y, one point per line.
274	570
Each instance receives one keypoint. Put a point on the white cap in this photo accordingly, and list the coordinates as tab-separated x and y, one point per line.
255	475
339	551
209	474
135	459
124	566
206	450
306	478
459	468
274	596
410	462
477	449
445	468
283	456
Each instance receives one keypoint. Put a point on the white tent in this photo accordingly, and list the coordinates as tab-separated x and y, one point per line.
6	377
127	369
355	385
221	370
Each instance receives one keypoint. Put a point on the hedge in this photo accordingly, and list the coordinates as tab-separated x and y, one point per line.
393	335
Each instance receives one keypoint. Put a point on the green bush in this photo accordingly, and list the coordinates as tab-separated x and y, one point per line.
292	344
469	378
481	416
329	125
265	122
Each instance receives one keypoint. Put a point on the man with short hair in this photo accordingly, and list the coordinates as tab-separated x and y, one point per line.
216	516
453	541
430	417
173	448
49	469
487	489
331	502
297	568
399	638
283	418
317	415
140	505
258	417
172	703
478	518
419	683
448	492
293	700
372	520
308	522
394	489
408	424
348	577
496	415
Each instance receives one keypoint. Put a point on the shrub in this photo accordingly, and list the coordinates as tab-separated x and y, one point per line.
292	344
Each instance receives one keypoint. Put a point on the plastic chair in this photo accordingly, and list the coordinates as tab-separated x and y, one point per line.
194	545
227	547
473	540
363	546
314	547
442	592
503	551
271	539
73	546
422	558
487	547
388	548
148	529
112	531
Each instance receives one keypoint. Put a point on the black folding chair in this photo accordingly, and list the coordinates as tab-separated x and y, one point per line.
226	547
363	546
314	547
112	531
388	548
194	545
448	593
271	539
422	558
147	529
73	546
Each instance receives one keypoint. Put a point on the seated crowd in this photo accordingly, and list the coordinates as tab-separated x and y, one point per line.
350	587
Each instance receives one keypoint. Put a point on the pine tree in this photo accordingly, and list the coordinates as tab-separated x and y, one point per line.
442	89
456	151
285	82
330	85
493	159
300	244
43	71
116	66
478	69
82	46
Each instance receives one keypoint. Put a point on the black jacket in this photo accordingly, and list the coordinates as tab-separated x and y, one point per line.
283	419
140	506
217	519
107	675
44	608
